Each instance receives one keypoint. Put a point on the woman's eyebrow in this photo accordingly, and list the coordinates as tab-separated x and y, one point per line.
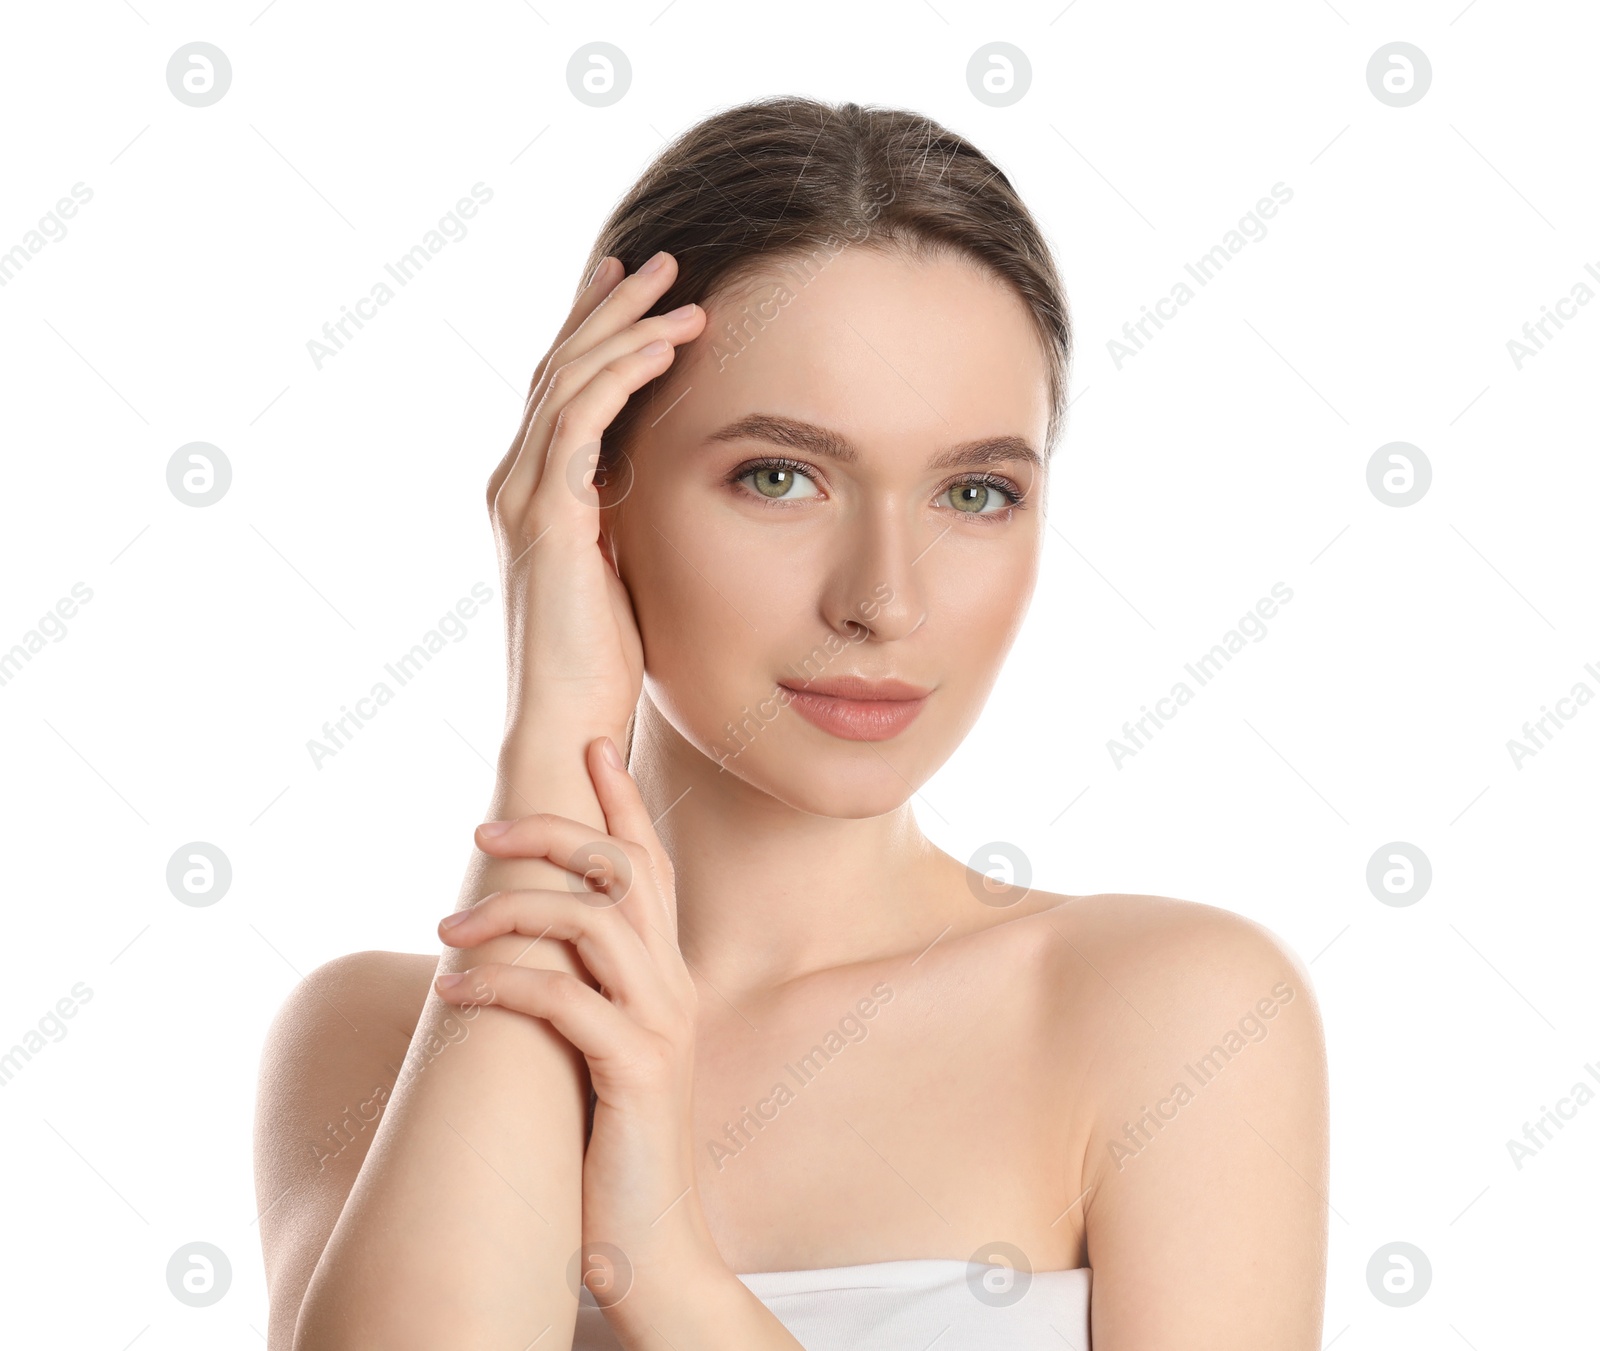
821	441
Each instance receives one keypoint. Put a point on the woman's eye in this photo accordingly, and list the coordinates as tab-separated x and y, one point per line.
775	482
977	498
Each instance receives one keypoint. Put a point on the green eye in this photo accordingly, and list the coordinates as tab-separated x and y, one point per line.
780	479
978	498
779	482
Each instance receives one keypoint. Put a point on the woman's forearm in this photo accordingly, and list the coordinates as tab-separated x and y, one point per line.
467	1210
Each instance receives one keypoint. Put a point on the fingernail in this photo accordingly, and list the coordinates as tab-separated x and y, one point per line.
656	348
683	311
598	269
450	921
654	265
495	827
608	748
451	981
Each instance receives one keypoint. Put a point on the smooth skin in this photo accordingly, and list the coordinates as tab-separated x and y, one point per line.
1020	1083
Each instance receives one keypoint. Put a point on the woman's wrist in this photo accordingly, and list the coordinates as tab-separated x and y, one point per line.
541	768
539	731
543	763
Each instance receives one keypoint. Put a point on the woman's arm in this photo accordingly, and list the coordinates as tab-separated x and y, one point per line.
464	1215
1208	1162
661	1280
464	1220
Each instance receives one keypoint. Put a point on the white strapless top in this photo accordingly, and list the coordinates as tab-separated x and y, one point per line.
907	1306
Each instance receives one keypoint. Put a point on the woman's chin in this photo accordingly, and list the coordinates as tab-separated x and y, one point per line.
847	788
839	804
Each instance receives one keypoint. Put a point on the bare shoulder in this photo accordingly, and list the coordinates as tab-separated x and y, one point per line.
330	1058
1177	953
381	981
1150	961
333	1049
1203	1105
1154	997
340	1026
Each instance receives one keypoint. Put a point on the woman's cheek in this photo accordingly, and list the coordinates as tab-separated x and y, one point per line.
696	651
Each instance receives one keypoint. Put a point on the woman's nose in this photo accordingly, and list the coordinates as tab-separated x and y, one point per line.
876	587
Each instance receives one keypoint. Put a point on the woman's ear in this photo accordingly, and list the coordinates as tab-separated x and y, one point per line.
607	541
612	486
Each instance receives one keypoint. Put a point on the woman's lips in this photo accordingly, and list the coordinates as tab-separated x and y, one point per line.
855	719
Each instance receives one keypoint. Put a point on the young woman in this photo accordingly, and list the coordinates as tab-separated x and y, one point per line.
733	1057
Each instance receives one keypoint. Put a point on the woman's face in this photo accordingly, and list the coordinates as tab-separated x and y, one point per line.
909	398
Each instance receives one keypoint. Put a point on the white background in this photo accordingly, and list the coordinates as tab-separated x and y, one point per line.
1228	455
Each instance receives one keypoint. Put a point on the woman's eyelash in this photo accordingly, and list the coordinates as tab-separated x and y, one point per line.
1003	486
1007	489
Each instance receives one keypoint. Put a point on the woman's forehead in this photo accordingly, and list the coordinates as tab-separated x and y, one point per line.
874	346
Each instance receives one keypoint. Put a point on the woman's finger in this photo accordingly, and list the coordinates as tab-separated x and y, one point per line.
602	278
575	374
609	946
628	818
596	863
589	296
584	1016
621	307
562	493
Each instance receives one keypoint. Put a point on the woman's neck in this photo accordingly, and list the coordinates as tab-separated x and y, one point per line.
767	893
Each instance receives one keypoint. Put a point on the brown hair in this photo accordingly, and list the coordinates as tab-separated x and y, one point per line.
793	178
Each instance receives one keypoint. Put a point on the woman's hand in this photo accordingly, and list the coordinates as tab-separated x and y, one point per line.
644	1229
572	645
